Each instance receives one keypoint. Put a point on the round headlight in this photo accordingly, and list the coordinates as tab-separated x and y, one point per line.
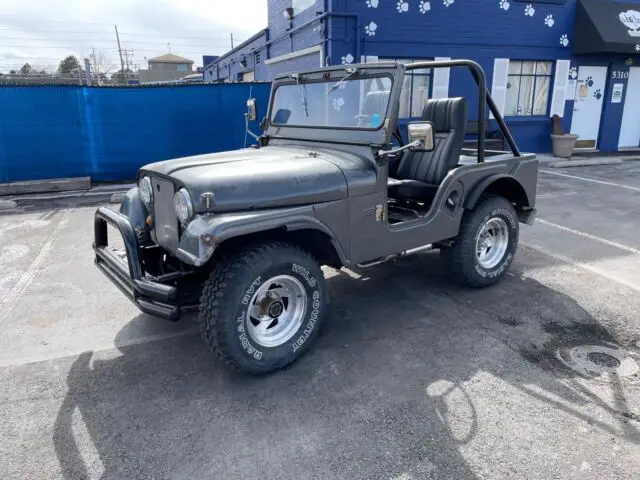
146	190
183	205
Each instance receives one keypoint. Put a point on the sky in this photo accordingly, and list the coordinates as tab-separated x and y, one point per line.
42	32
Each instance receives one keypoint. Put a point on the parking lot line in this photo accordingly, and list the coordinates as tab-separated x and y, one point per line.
8	302
626	248
590	268
602	182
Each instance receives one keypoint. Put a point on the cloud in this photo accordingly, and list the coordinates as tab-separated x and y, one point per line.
44	31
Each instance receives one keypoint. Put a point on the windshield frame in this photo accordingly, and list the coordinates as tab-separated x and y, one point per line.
379	136
331	82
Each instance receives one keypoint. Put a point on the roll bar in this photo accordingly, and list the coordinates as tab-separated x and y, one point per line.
483	99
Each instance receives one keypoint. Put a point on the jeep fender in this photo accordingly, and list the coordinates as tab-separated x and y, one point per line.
205	233
500	184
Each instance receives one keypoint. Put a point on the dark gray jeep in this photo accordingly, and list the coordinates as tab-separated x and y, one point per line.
241	235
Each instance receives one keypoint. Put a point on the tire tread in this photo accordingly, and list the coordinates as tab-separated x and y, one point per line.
213	299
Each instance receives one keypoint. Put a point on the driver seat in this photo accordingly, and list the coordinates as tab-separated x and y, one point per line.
418	175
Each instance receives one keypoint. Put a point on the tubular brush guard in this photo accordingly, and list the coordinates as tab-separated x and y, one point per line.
151	297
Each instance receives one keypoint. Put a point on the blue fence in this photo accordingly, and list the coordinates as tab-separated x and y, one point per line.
108	133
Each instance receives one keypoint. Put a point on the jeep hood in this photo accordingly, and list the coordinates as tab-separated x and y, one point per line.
258	178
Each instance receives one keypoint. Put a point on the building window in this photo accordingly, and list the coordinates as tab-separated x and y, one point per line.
256	58
416	89
181	68
528	88
300	5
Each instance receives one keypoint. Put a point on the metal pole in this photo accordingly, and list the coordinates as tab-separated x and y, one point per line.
120	51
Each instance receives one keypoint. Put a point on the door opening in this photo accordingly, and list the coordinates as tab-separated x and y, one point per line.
630	129
587	106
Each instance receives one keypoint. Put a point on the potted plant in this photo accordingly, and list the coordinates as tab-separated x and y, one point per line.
563	143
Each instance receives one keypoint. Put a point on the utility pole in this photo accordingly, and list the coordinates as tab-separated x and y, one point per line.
120	50
231	40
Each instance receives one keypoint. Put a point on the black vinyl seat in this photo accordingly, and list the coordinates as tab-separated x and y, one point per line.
417	175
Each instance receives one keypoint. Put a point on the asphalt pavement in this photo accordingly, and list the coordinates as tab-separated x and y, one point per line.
412	378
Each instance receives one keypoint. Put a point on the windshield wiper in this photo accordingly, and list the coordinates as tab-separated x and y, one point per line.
350	73
303	93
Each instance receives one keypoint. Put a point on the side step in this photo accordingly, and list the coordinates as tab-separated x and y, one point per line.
388	258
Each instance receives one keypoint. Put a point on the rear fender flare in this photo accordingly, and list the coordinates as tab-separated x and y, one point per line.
516	192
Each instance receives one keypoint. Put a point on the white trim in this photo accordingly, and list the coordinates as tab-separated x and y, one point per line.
298	53
560	88
441	79
499	84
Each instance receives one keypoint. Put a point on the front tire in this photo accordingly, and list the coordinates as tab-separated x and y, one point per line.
486	244
263	306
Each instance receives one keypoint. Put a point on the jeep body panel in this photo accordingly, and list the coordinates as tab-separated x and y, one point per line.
207	232
273	176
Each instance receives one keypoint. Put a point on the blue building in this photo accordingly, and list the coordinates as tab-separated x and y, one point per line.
579	59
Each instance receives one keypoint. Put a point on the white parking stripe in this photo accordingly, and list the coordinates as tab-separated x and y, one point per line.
9	301
602	182
590	237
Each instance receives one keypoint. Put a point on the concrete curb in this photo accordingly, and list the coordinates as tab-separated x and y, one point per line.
95	196
7	205
45	186
588	162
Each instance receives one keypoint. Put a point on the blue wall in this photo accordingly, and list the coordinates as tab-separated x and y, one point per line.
108	133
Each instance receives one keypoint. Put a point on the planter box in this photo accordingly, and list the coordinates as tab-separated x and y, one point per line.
563	145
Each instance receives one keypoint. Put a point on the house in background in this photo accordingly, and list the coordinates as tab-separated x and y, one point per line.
166	68
577	58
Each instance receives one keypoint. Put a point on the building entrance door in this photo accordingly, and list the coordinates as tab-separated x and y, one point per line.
587	107
630	130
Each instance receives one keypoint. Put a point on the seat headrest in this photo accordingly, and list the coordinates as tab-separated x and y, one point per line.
446	114
375	102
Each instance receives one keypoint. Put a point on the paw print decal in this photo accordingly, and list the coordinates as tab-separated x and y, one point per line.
564	40
372	3
529	11
549	21
573	73
638	48
448	3
505	5
597	94
348	58
402	6
589	81
424	7
338	103
371	28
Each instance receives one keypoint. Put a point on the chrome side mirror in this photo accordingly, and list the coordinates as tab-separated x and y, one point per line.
421	133
252	113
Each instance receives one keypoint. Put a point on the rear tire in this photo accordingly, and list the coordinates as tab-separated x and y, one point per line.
263	306
486	244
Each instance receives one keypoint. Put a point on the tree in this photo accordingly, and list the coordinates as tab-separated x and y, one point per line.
101	65
26	69
12	72
69	65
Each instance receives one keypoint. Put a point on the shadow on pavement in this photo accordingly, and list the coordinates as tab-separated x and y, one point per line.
384	392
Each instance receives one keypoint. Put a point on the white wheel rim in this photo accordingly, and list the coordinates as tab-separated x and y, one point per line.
492	243
276	311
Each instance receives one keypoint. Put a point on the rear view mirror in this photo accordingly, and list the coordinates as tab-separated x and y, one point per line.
252	113
422	133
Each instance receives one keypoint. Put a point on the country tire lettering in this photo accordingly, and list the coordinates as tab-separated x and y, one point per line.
464	262
228	310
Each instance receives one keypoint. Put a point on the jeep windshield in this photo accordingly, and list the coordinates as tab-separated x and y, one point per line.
343	101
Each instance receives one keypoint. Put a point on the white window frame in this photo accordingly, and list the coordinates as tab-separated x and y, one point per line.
413	74
535	77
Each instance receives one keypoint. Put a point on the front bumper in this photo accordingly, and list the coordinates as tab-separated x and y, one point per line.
151	297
